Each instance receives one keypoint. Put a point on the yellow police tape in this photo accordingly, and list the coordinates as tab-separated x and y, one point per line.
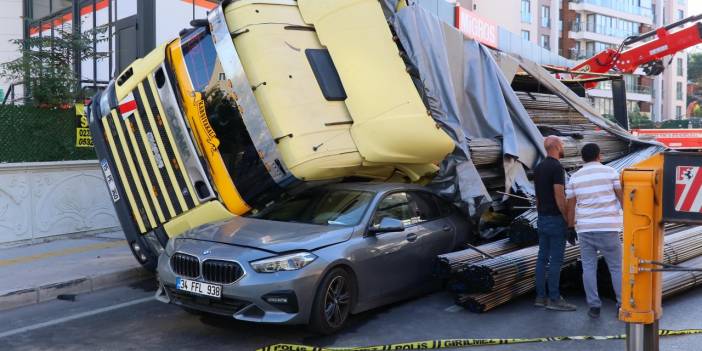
462	343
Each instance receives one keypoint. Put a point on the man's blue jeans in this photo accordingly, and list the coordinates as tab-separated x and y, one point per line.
552	237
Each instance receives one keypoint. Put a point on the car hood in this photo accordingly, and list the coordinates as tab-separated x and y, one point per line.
270	236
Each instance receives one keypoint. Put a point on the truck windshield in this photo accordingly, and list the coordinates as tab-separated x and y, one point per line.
200	58
325	207
240	156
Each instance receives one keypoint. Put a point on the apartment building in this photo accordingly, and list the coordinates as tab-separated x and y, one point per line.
673	81
594	25
535	21
591	26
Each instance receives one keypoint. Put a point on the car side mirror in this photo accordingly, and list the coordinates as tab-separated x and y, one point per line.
388	225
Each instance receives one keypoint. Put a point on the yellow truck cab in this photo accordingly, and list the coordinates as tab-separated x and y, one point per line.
257	99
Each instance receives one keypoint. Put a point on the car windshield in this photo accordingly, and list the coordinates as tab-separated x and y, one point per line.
325	207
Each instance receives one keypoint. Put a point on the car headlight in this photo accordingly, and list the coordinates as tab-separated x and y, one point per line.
289	262
170	246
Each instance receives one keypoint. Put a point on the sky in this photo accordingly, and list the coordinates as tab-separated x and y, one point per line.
694	7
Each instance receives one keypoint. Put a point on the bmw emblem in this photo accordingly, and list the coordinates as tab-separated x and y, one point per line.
206	252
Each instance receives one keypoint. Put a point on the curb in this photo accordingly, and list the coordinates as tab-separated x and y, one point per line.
31	296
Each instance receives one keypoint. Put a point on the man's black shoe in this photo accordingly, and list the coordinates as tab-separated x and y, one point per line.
594	312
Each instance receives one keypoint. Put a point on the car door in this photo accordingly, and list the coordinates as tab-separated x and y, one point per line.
435	233
390	260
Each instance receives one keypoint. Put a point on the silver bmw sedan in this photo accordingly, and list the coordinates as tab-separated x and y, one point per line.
316	257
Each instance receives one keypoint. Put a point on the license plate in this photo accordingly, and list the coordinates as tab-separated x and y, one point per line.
199	288
110	180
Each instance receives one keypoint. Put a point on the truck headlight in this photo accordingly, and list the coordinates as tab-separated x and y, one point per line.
289	262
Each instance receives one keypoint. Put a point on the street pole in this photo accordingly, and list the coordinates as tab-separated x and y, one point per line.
77	60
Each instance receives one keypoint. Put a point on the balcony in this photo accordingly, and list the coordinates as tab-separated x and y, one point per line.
603	30
614	8
634	92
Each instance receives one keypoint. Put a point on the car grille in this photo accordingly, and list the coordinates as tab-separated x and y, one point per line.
223	272
224	306
150	168
185	265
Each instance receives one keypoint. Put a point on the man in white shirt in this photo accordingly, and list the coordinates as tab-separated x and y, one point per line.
593	196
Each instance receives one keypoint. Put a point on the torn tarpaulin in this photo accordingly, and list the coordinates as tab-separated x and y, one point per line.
468	95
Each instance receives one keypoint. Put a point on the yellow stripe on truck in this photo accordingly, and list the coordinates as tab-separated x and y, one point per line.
161	148
122	177
132	168
142	167
157	173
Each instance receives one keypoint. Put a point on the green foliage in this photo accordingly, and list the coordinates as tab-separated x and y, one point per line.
637	120
694	67
697	111
46	64
30	134
675	124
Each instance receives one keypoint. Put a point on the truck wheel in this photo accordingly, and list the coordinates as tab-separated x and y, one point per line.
333	302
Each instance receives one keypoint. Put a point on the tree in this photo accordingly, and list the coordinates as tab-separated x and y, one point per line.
694	67
46	64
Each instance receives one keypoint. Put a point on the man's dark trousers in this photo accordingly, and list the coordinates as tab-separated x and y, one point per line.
552	237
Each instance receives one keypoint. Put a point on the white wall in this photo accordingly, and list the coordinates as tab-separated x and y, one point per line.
39	200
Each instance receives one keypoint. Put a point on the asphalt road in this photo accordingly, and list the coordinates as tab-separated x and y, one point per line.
127	318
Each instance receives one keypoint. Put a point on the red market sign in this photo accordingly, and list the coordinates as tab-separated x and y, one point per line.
675	138
476	27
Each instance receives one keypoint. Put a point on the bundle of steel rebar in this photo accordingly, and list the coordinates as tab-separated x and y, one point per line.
677	282
452	262
550	109
484	151
502	272
522	230
488	152
513	275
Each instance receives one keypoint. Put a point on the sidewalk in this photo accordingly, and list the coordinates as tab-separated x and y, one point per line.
41	272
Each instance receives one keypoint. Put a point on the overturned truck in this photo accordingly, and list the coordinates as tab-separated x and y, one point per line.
269	97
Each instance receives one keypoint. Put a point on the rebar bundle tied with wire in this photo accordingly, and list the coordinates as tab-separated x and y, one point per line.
496	281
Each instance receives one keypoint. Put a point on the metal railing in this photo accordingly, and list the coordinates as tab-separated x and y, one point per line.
10	95
618	5
599	29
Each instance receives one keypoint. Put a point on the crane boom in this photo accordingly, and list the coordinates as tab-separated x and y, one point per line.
647	55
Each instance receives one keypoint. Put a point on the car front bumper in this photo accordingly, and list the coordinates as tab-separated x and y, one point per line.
282	297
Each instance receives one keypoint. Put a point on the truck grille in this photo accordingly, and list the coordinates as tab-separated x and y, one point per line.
185	265
150	168
223	272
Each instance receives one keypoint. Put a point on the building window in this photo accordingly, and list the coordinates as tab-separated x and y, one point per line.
681	14
526	35
526	11
679	90
678	112
546	42
545	16
680	67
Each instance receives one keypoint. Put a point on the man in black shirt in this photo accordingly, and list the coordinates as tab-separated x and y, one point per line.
549	180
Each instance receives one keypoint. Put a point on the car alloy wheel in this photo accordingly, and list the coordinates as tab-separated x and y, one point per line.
337	302
333	302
